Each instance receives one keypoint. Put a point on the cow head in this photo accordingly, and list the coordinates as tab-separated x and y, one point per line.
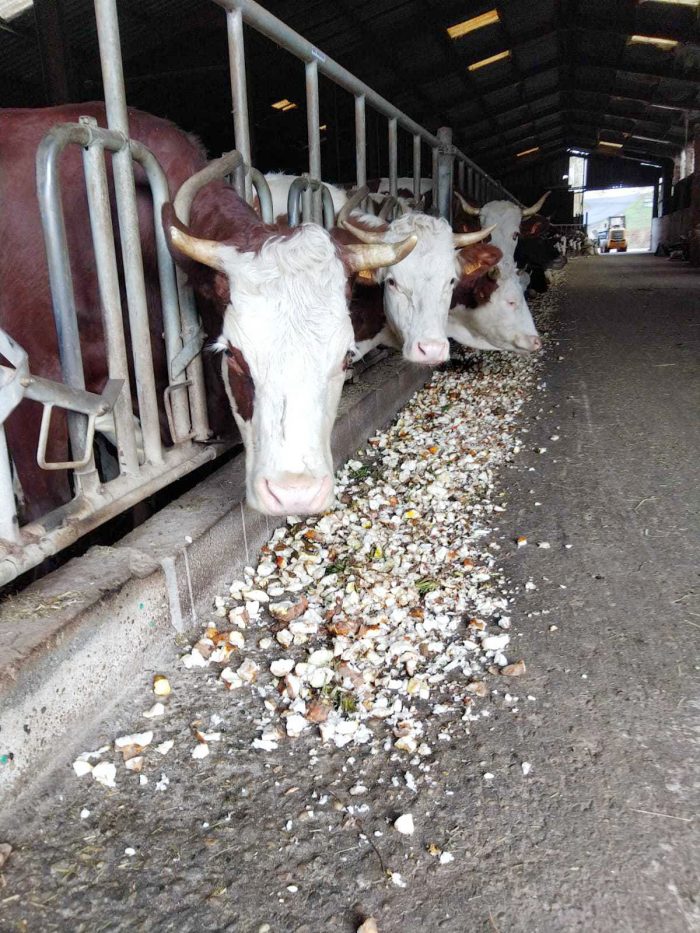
418	289
502	322
508	217
285	341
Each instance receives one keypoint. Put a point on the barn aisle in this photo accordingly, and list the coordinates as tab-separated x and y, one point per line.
565	803
607	838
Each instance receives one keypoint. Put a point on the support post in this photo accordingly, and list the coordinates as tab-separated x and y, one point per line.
239	97
695	202
54	51
460	176
393	158
313	120
122	167
360	141
416	167
445	166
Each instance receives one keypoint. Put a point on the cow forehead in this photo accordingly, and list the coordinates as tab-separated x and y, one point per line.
504	213
292	290
434	254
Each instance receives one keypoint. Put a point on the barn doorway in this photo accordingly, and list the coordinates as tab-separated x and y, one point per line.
608	206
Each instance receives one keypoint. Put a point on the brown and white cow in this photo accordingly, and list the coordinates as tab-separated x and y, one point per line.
275	300
418	289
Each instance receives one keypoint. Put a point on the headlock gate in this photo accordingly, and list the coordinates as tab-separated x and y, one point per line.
144	463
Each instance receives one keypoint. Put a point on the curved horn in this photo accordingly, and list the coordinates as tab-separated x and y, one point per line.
466	206
466	239
536	207
363	256
363	234
208	252
351	204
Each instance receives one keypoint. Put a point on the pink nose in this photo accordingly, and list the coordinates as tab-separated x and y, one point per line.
536	344
430	352
292	493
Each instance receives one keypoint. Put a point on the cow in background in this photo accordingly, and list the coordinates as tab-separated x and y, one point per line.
416	291
273	299
523	235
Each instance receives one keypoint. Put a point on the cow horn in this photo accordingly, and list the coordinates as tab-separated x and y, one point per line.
351	204
466	239
536	207
208	252
466	206
365	256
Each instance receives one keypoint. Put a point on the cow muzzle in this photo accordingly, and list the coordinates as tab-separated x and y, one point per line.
528	343
428	352
294	494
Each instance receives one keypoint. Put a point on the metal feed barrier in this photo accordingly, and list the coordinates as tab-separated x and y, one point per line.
145	464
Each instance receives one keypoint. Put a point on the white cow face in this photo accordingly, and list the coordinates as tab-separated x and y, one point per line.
504	322
418	290
286	340
508	216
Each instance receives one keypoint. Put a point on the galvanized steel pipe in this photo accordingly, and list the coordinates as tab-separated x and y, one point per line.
110	298
239	96
122	167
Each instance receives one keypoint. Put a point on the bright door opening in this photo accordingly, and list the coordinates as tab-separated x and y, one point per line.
620	216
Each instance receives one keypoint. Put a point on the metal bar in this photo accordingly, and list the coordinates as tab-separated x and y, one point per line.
239	96
262	190
360	141
434	170
313	120
393	158
122	167
110	298
445	167
282	34
54	51
61	282
68	523
9	526
416	167
170	304
460	176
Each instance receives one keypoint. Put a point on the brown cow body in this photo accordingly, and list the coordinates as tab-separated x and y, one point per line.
25	300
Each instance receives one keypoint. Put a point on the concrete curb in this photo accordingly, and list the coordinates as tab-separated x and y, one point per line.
71	644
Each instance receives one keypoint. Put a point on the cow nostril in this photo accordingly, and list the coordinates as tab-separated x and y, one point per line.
536	343
421	349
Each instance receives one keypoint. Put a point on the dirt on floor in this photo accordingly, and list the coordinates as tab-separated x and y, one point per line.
571	802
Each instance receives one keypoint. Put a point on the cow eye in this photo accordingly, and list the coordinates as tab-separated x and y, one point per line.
228	353
515	235
453	281
391	281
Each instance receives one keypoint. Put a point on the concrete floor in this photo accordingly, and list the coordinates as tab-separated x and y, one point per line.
603	834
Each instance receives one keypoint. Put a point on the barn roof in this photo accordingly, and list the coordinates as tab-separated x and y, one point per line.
576	74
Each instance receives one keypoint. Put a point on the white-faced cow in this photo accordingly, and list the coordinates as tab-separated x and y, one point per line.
500	322
508	217
286	338
275	300
418	289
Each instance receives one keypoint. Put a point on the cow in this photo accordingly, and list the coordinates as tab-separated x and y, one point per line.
275	300
416	291
522	235
499	319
